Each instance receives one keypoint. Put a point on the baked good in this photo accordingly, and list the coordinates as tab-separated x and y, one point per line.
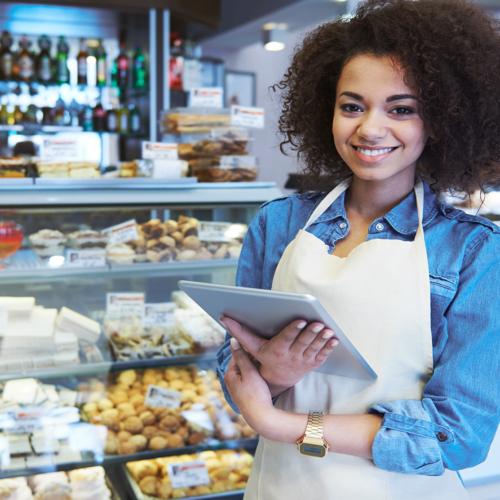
12	166
84	328
53	170
194	124
89	484
128	169
47	242
85	240
15	489
120	254
18	307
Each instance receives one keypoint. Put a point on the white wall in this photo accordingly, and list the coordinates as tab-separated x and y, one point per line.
270	68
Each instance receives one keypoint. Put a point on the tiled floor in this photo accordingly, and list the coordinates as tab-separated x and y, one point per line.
487	492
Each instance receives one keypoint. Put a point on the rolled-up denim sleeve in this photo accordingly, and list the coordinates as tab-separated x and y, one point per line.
249	274
453	426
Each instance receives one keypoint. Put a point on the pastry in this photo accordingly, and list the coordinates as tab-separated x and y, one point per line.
120	254
149	485
18	307
128	169
84	240
47	243
84	328
89	484
157	443
140	441
13	166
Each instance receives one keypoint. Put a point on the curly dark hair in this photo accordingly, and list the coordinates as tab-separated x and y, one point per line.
450	53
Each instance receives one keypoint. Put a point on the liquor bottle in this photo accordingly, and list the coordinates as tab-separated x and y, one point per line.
139	70
87	119
99	118
18	115
4	115
44	61
114	74
176	61
25	61
101	65
111	120
123	120
81	59
11	119
6	57
122	67
59	114
74	113
62	72
29	114
134	119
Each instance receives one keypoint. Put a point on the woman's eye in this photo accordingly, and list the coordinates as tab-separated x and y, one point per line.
402	111
350	108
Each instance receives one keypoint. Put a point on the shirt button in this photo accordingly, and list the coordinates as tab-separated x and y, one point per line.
379	227
343	225
442	437
448	210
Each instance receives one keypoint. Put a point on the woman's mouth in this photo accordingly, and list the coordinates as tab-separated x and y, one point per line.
372	155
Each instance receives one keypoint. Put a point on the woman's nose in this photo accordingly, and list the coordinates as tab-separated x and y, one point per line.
372	127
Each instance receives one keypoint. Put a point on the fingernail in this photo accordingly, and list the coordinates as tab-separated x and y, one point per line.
317	328
301	325
327	335
334	342
222	321
235	344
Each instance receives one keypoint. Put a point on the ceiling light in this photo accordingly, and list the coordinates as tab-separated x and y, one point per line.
274	36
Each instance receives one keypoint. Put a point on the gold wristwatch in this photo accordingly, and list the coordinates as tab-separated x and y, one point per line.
312	442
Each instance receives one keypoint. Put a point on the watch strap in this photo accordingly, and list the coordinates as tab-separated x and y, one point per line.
314	427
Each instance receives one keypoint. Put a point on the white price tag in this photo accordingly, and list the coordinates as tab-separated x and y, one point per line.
247	117
121	233
214	231
25	422
86	258
159	151
161	314
59	149
206	98
167	169
160	396
121	305
188	474
4	318
199	417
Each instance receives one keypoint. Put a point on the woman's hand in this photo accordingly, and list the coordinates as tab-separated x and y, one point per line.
285	359
248	389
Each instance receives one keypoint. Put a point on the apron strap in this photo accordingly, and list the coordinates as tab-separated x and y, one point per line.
339	189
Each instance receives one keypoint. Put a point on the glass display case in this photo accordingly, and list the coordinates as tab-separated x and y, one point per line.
103	361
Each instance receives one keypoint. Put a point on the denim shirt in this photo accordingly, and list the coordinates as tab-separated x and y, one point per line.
454	424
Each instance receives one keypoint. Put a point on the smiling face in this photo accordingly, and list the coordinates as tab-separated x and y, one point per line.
377	129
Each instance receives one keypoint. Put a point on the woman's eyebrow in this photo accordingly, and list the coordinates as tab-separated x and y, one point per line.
398	97
392	98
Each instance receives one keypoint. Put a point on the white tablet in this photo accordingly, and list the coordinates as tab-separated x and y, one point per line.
266	313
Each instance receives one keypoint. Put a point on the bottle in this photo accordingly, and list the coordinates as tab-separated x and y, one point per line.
44	61
59	114
176	61
18	115
62	72
99	118
6	57
4	115
11	119
123	120
134	119
101	65
29	115
25	61
122	67
74	113
87	119
81	59
139	70
114	74
111	120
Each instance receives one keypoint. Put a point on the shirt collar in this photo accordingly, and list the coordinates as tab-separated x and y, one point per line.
403	218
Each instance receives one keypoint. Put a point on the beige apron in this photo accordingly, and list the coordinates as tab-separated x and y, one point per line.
380	296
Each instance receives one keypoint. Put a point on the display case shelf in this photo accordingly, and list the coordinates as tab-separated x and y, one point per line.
83	369
130	192
26	267
89	460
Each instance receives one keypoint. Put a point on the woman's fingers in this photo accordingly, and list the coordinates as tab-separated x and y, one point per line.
242	359
326	350
307	337
252	343
318	343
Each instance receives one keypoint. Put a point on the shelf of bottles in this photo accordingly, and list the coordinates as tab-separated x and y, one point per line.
49	90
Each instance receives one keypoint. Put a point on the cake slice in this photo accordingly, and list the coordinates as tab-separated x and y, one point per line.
18	307
84	328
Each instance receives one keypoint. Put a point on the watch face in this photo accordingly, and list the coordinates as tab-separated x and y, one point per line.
312	450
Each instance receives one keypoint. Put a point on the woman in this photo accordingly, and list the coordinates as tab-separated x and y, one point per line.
403	91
